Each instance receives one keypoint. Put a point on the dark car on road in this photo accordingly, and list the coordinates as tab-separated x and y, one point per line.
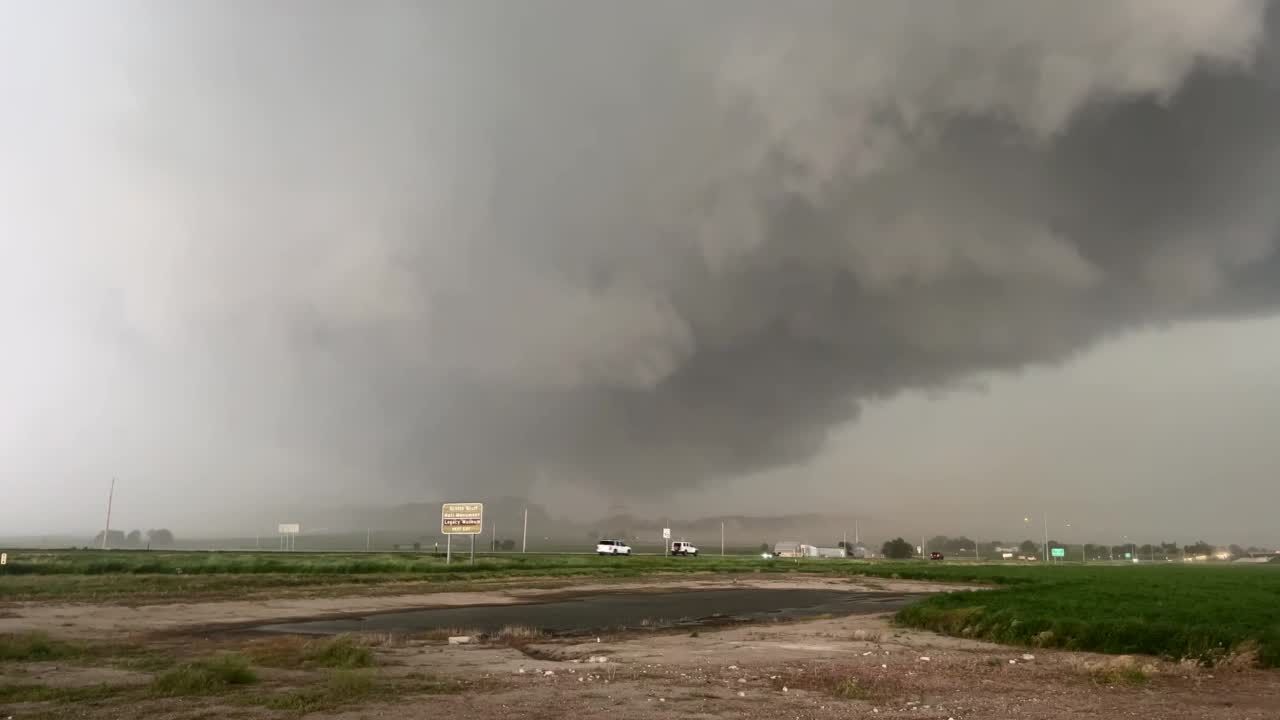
935	556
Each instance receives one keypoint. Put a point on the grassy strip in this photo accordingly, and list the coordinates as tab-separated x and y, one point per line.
159	577
38	647
341	687
1200	613
30	693
92	562
204	677
342	651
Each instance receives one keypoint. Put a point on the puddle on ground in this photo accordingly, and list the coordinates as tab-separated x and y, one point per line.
618	611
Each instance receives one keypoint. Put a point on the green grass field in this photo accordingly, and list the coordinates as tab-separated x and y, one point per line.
1202	612
142	576
1199	612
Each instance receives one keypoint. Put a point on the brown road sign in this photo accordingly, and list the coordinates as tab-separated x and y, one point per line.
462	518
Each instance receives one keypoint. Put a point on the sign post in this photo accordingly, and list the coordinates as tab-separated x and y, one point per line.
666	537
461	519
288	535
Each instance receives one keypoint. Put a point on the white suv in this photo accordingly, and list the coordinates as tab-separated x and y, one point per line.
613	547
681	547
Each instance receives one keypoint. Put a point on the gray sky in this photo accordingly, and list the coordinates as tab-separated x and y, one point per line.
732	256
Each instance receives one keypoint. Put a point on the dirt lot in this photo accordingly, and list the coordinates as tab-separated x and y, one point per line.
858	666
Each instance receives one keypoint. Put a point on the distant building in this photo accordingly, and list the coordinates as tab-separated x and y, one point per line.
835	552
789	549
860	551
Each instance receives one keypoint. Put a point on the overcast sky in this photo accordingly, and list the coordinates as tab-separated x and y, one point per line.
943	264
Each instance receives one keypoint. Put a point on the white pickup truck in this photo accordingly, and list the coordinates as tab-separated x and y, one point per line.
613	547
681	547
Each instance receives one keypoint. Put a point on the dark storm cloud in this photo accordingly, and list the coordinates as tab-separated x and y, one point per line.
645	245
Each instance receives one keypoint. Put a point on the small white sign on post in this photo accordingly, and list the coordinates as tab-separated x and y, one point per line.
4	558
288	535
666	533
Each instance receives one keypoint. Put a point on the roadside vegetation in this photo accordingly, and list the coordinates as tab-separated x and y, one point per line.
157	577
1203	613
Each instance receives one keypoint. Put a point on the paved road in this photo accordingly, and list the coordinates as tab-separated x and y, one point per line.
620	611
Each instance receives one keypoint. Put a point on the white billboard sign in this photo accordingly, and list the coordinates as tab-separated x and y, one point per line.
462	518
290	528
666	533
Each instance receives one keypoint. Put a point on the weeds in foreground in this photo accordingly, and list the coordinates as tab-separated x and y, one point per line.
342	651
346	687
37	647
443	634
518	637
851	689
24	693
339	652
1119	675
519	632
844	684
342	687
204	677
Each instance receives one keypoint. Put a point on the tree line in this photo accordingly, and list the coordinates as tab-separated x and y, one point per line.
158	537
961	546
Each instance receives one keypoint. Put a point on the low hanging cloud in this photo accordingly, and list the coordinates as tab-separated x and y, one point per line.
634	245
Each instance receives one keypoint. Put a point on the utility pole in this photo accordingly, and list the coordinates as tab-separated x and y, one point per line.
721	538
524	543
1046	537
368	538
493	538
111	494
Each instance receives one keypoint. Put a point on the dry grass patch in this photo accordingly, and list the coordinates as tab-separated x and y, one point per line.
847	684
291	651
